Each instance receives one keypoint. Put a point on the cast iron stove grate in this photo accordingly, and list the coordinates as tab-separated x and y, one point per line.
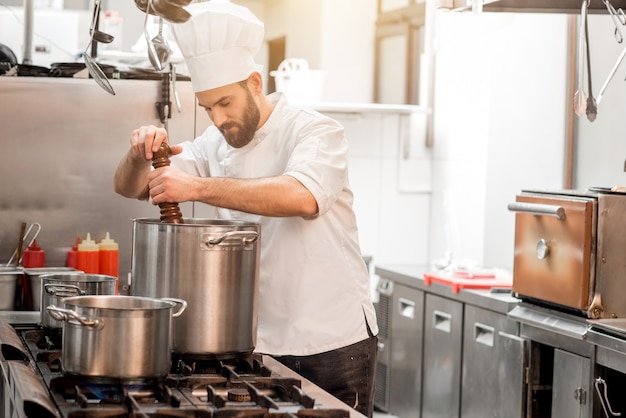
194	387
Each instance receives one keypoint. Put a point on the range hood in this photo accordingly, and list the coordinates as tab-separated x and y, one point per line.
532	6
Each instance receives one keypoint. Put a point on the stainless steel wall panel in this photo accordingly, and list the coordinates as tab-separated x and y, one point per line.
61	142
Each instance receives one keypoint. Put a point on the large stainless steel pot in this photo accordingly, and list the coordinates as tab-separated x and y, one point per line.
116	337
214	266
55	287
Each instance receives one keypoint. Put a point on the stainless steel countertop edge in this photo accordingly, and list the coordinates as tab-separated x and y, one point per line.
413	276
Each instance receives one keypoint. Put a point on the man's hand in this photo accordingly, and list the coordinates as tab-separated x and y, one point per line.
147	140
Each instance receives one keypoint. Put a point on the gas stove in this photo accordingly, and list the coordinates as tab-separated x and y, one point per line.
34	385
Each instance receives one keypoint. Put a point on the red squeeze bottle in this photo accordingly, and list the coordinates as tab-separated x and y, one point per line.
72	255
88	256
109	258
34	256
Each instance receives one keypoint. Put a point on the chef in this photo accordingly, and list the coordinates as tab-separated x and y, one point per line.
266	161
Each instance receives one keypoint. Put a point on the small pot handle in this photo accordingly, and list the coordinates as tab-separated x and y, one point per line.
52	288
247	237
61	314
181	302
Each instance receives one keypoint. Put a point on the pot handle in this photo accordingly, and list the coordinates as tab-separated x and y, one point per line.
53	288
181	302
247	237
61	314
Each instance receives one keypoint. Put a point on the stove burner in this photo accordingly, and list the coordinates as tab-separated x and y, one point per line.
196	387
84	392
239	395
47	339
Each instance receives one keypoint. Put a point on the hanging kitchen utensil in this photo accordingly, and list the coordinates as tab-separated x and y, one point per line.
592	108
611	74
580	99
97	74
153	56
176	98
92	66
164	106
170	10
16	257
161	47
94	30
618	19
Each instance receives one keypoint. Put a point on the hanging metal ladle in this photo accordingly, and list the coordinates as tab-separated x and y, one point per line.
158	49
161	46
92	66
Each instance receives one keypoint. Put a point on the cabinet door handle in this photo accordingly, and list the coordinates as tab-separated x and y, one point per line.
406	308
604	398
484	334
442	321
538	209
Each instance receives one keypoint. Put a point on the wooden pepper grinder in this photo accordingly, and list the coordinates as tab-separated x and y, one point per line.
170	212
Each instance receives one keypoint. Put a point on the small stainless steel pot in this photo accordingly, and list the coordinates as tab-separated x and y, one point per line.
33	277
8	286
116	337
56	287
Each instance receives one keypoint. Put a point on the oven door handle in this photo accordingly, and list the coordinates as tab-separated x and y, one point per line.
538	209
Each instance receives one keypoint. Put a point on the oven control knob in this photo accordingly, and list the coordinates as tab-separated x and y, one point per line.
543	249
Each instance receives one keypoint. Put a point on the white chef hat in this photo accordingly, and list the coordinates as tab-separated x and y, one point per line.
219	42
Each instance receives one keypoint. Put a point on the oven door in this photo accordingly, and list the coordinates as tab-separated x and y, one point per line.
555	240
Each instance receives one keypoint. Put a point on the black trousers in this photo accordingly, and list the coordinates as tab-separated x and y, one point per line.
346	373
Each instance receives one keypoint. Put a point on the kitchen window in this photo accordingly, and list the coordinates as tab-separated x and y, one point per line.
398	52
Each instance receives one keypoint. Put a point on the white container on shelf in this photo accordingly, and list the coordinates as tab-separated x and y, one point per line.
299	83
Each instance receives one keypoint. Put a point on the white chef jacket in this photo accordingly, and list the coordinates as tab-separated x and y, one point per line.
313	285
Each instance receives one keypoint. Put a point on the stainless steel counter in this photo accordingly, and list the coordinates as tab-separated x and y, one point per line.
20	317
413	276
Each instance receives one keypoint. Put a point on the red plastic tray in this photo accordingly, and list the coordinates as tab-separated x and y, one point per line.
465	280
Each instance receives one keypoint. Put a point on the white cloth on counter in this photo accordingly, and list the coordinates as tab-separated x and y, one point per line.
314	285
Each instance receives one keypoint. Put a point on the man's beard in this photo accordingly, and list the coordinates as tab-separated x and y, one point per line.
245	132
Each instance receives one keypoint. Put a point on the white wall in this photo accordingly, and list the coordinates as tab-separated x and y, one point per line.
601	145
333	36
499	126
347	53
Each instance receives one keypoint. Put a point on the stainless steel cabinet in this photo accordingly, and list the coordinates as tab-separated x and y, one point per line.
443	328
494	358
571	385
399	370
447	354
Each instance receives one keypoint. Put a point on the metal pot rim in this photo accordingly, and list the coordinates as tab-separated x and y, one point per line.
73	277
117	303
200	222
